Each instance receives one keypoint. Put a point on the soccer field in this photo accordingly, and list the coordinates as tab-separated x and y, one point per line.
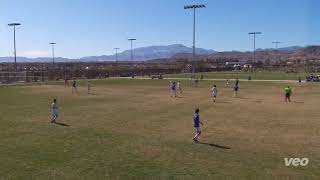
132	129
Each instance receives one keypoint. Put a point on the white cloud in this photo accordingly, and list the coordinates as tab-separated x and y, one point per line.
34	54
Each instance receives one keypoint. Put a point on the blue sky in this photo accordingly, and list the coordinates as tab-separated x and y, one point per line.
94	27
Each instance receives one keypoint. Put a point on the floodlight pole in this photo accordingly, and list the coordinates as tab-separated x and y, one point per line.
42	69
14	43
254	44
131	48
194	32
116	54
52	43
276	43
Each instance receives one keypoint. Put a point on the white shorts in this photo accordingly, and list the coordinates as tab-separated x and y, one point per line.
198	129
214	95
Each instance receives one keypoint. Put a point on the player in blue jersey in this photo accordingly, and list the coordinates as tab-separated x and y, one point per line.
235	91
197	122
173	88
54	111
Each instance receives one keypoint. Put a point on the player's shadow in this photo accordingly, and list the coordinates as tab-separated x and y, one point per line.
241	97
214	145
223	102
61	124
297	102
92	93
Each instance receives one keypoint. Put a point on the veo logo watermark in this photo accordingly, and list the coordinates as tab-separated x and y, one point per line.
296	161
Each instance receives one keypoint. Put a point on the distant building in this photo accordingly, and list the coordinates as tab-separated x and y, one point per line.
238	65
247	66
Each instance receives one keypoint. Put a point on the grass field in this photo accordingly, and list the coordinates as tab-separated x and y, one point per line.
258	75
132	129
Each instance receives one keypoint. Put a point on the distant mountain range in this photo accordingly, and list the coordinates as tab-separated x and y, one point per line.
38	59
288	49
139	54
147	53
294	53
178	51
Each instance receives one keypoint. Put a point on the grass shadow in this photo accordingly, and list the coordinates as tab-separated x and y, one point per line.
214	145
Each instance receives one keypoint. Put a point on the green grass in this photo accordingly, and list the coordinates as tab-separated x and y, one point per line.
244	75
132	129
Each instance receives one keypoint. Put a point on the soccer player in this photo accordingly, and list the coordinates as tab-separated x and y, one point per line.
190	80
74	87
235	91
66	82
179	89
299	80
54	111
173	88
287	93
196	82
89	86
197	122
227	82
214	92
237	82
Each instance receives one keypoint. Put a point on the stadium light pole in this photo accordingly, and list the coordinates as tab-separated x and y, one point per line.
276	43
254	44
116	53
14	43
52	44
132	39
194	7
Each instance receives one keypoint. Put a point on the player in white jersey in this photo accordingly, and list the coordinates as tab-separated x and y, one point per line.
214	92
89	86
179	89
74	87
54	111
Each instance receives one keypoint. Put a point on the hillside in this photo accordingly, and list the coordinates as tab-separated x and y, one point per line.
302	53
